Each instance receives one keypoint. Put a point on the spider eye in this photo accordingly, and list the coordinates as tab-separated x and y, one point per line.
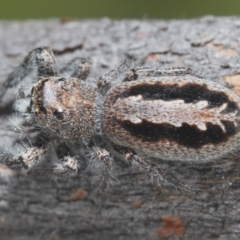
58	115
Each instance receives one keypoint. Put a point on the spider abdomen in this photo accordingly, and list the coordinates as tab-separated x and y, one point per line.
173	117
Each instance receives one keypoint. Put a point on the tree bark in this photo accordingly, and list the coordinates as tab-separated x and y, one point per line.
35	208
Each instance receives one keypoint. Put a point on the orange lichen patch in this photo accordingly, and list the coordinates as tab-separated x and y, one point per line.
234	81
137	204
80	194
142	35
222	51
227	53
171	225
153	56
204	186
175	197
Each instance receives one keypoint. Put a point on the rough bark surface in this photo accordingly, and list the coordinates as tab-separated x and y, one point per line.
34	208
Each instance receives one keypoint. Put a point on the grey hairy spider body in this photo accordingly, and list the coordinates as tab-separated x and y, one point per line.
169	114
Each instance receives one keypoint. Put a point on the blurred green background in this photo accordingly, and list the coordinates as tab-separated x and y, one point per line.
117	9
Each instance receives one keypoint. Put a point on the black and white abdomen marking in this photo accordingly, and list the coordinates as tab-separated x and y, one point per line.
173	117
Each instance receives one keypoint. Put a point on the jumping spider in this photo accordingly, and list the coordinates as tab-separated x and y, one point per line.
169	114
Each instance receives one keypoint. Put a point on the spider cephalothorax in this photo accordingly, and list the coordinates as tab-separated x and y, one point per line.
65	107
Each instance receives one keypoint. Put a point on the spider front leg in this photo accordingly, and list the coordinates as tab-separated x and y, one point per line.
21	158
105	81
158	176
24	160
101	160
41	58
78	68
66	164
136	73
